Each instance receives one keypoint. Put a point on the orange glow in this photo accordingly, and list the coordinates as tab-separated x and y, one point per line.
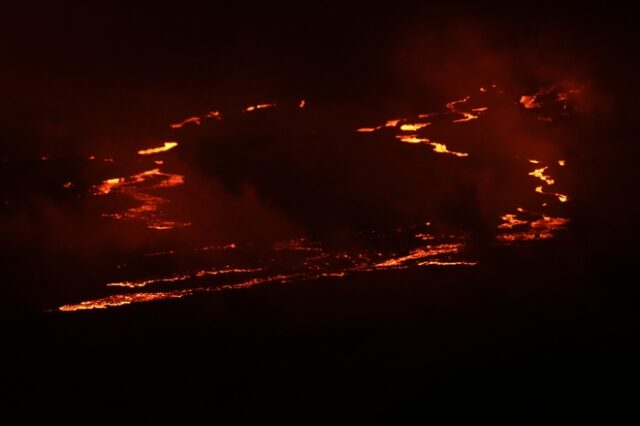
550	223
166	147
442	149
304	259
444	263
530	102
413	127
541	229
197	120
144	283
561	197
452	106
539	173
194	120
422	253
137	187
123	299
412	139
257	107
226	271
510	221
466	116
67	185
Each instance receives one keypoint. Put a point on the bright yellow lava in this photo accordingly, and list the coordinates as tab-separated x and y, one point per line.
166	147
539	173
413	127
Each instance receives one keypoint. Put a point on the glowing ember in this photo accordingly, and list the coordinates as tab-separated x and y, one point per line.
123	299
466	115
530	102
539	173
136	187
418	254
442	149
299	259
144	283
510	221
194	120
166	147
197	120
227	271
413	127
412	139
541	229
257	107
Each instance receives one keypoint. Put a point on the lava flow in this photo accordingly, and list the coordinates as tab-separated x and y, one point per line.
233	266
138	187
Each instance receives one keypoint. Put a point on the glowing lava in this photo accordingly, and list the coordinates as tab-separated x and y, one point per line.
197	120
413	127
166	147
234	266
259	106
137	187
539	173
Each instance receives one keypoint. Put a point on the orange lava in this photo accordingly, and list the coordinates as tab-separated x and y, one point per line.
194	120
413	127
420	253
197	120
539	173
257	107
137	187
123	299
